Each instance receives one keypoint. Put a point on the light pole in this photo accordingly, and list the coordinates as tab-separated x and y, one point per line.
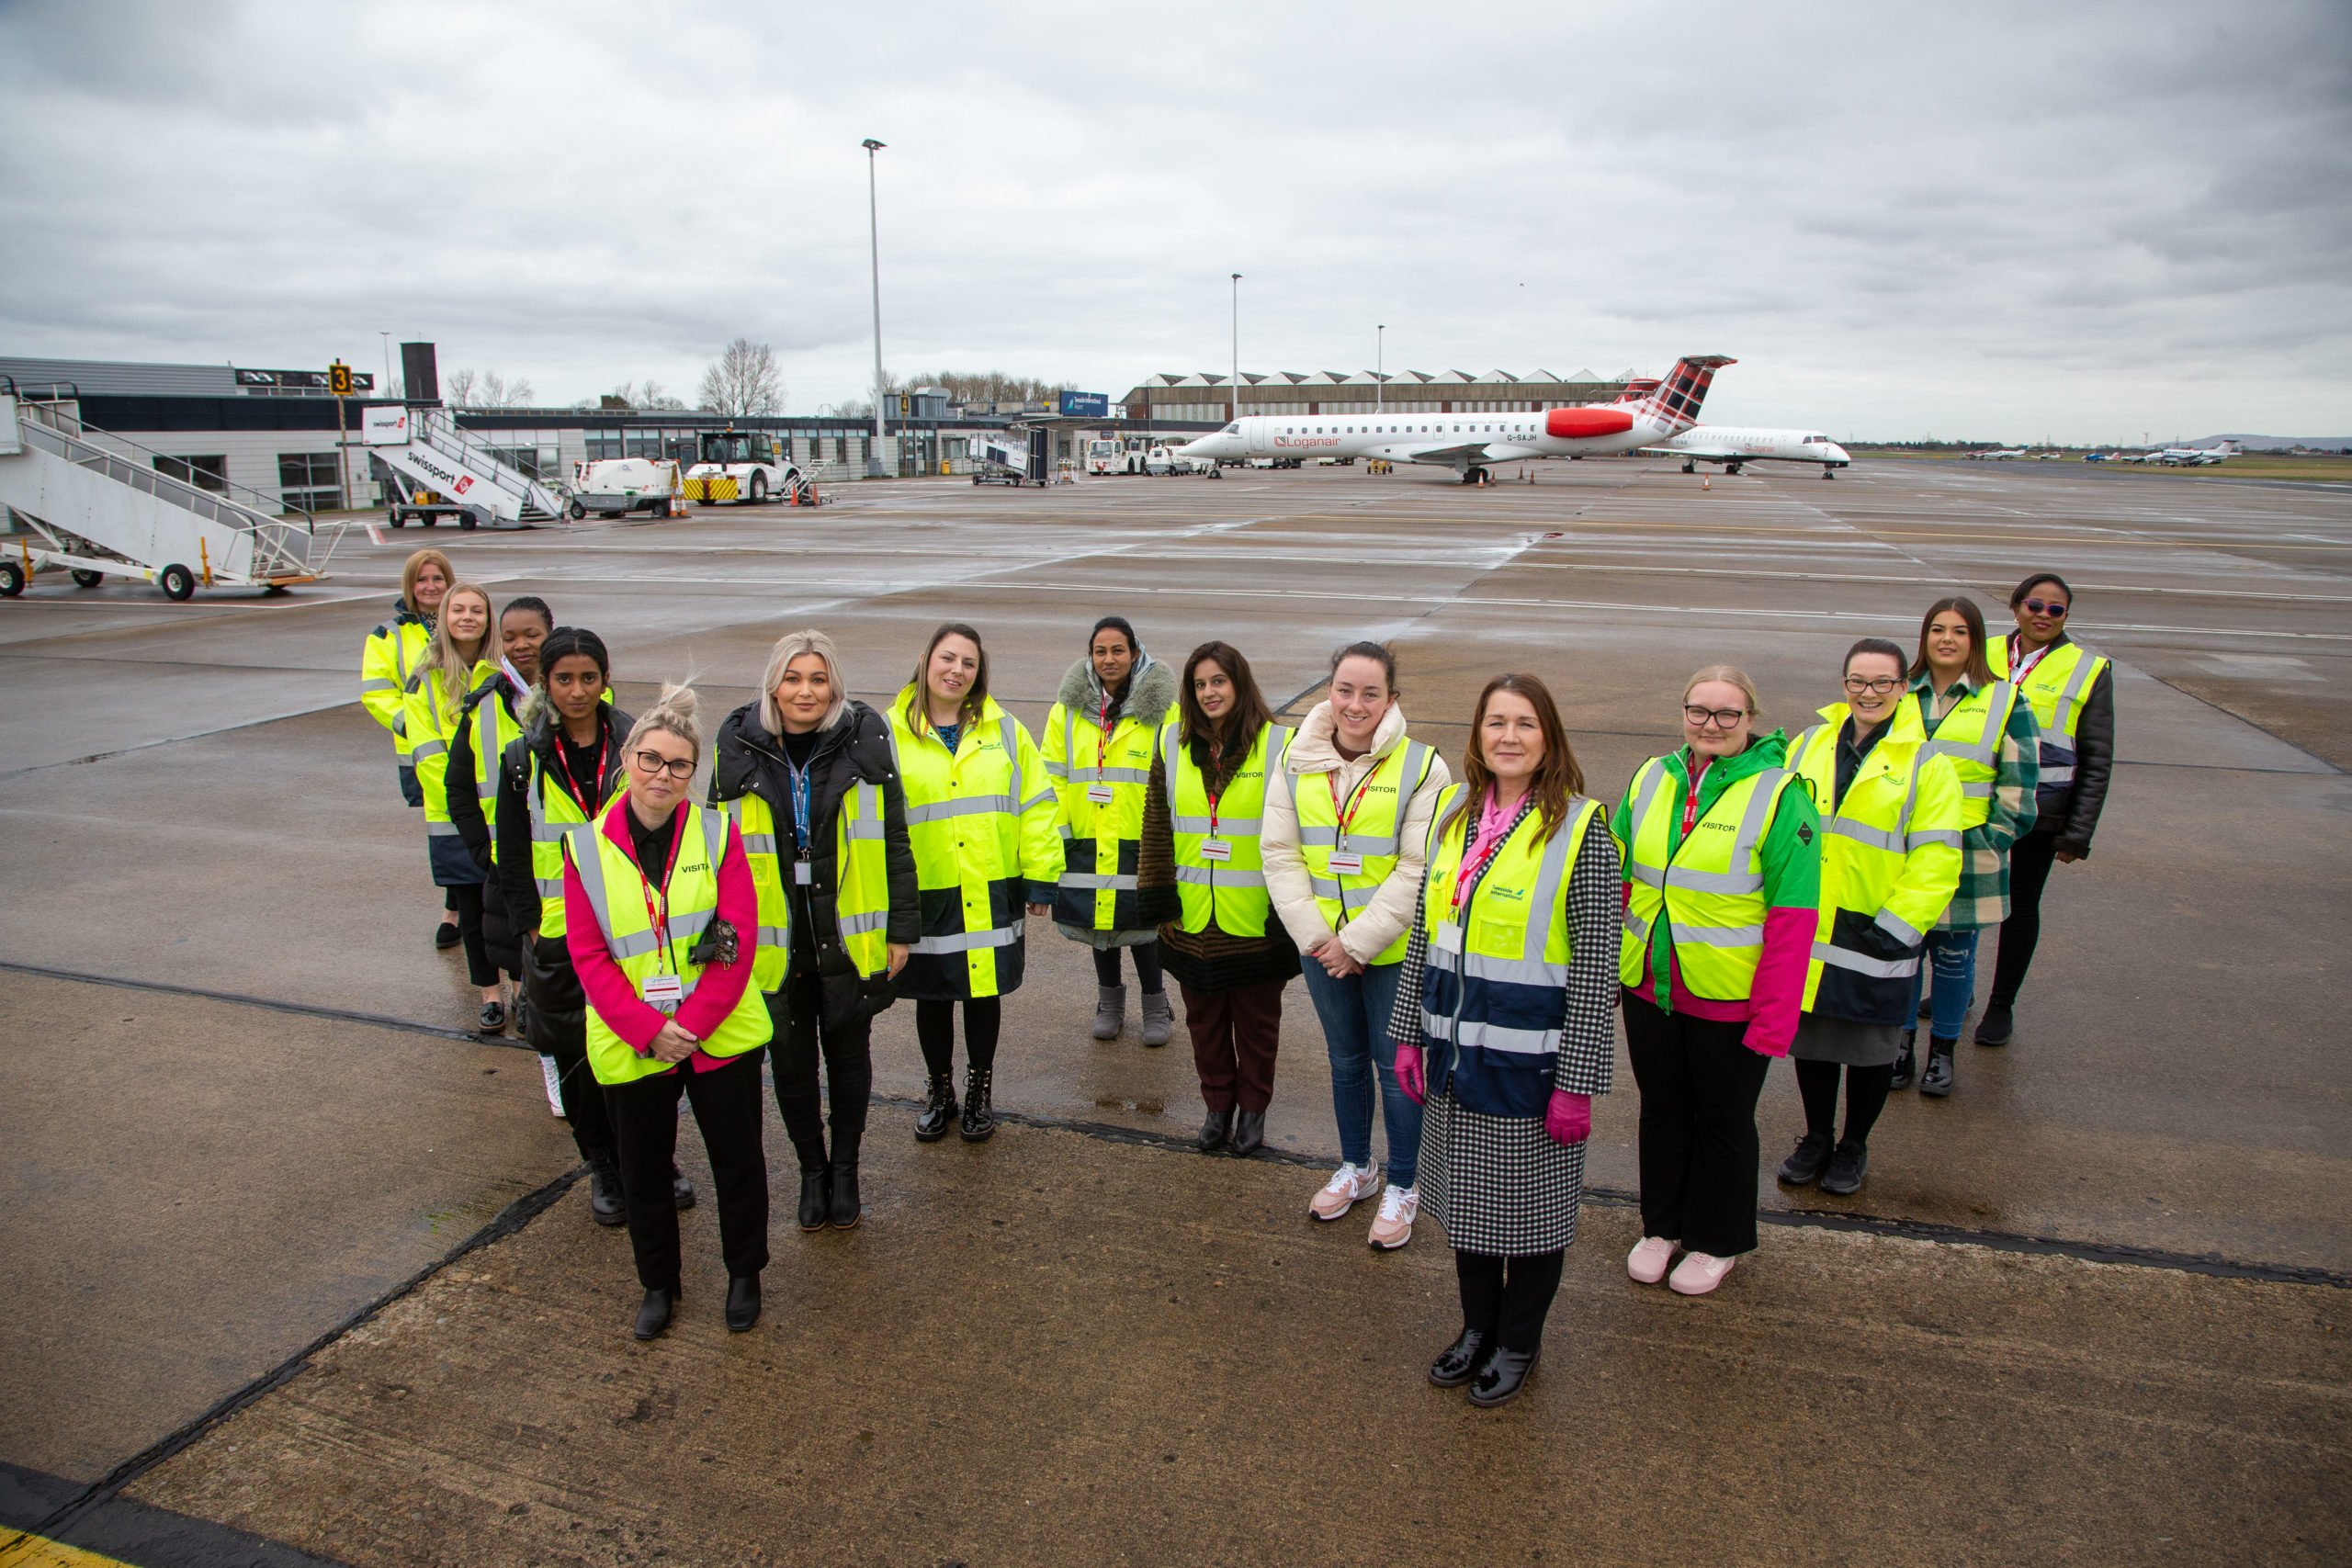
874	233
1379	364
1237	346
386	389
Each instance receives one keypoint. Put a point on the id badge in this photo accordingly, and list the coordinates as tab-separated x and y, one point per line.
663	992
1101	793
1217	849
802	874
1346	862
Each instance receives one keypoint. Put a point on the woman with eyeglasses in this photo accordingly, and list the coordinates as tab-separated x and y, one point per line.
1890	862
662	921
1980	722
2072	693
1722	853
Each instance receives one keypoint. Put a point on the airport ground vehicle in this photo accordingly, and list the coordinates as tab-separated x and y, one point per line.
741	465
615	487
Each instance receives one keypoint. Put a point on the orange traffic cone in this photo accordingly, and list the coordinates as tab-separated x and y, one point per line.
1704	483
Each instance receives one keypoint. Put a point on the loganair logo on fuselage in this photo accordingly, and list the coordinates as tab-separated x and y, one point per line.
1307	441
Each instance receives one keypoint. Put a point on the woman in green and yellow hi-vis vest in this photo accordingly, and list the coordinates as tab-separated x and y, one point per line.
1890	862
1203	818
662	924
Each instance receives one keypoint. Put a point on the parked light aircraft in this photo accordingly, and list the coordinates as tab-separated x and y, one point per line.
1996	454
2193	456
1731	445
1648	411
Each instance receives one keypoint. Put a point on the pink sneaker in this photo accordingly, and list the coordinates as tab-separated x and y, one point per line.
1699	1272
1394	1228
1646	1263
1347	1184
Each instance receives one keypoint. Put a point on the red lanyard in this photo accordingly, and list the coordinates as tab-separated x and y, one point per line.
1347	814
1101	736
1691	802
659	915
2017	673
587	807
1216	752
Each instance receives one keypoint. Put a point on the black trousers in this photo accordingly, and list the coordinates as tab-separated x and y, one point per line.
466	899
802	1036
1106	966
1508	1298
1699	1148
584	1108
935	1032
1866	1092
2031	859
727	1107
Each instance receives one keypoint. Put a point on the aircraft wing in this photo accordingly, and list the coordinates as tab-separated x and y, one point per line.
1461	453
1705	453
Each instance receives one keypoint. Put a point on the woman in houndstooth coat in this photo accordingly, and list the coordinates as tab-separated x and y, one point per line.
1505	1024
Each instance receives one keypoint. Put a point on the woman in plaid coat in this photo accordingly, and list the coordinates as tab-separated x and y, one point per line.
1988	730
1503	1025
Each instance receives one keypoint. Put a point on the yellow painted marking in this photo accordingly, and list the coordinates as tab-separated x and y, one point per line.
40	1552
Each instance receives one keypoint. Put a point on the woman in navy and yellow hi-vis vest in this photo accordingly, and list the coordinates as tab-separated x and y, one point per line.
393	652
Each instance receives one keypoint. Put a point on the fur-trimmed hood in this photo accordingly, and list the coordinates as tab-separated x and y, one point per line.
1151	690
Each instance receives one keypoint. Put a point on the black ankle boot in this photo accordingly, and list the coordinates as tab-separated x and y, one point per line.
1499	1380
844	1209
816	1181
604	1204
1215	1129
742	1303
980	1118
1459	1361
653	1314
938	1112
1906	1064
1936	1082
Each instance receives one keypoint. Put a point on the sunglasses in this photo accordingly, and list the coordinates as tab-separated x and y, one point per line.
2052	608
654	762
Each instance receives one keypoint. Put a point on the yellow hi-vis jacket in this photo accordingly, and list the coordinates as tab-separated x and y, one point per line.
393	652
2056	687
1498	971
1101	779
556	819
1376	822
1890	862
863	898
1971	735
1709	890
429	721
616	891
981	826
489	727
1228	882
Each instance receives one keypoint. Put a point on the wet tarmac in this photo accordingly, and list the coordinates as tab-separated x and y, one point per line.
210	1197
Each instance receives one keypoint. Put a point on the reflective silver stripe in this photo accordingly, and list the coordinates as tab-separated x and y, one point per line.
1317	837
1040	798
1976	789
1898	928
1212	876
686	929
1648	875
1223	826
1717	936
550	887
486	747
864	828
2054	775
378	684
424	748
1491	1036
1112	775
1638	926
858	925
399	723
1359	844
970	805
1931	836
636	946
759	844
440	829
1056	770
1876	838
588	861
1652	780
1549	874
1733	882
1098	881
1350	898
775	936
1878	968
1008	737
966	941
1515	971
2070	697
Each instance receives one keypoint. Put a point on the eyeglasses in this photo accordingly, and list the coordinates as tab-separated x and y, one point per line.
1878	685
1722	719
654	762
2054	608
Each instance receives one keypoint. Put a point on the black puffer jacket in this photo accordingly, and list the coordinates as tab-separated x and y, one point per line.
854	749
500	932
557	1013
2074	817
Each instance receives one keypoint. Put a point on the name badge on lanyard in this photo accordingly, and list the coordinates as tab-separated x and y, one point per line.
1346	862
663	992
801	873
1101	793
1217	849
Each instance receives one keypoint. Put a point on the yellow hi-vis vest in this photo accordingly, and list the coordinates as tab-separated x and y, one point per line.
429	723
1101	839
494	727
862	900
2056	687
393	653
1711	886
1374	834
555	817
980	824
1970	736
1231	887
614	889
1498	971
1890	863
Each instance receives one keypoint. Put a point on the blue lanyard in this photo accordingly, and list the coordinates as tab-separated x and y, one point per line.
799	806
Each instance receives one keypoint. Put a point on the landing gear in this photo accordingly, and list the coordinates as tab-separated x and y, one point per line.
1473	475
1690	467
1731	468
1828	473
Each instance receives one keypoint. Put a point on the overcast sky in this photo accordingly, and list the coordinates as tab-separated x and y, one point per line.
1988	221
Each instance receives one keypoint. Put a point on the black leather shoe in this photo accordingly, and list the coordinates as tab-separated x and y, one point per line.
815	1199
1906	1066
1847	1162
1249	1133
978	1124
845	1209
681	1191
939	1111
654	1315
1936	1082
493	1019
1215	1128
445	935
604	1204
1805	1163
1459	1361
1994	1028
1499	1380
1927	1004
742	1303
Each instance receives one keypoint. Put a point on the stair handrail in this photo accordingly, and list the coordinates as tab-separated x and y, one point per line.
263	509
482	457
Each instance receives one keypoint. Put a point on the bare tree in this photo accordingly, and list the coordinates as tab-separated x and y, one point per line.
458	389
743	380
489	390
649	394
990	387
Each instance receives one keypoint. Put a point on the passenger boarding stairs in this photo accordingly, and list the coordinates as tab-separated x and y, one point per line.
426	448
100	508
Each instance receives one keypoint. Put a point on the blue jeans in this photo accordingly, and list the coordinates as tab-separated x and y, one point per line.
1354	1013
1953	955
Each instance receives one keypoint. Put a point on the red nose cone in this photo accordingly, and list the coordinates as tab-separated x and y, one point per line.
1575	423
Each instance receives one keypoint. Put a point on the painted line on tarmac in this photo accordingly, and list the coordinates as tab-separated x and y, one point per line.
240	999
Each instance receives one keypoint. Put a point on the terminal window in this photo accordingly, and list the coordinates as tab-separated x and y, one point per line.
205	473
307	480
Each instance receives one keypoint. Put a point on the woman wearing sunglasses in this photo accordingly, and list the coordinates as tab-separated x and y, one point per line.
1890	862
1722	855
2073	694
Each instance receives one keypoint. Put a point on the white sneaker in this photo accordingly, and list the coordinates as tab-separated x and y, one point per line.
1339	1194
555	1086
1646	1263
1393	1227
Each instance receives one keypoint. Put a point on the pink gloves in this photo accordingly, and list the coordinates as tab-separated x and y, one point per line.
1410	1077
1568	1119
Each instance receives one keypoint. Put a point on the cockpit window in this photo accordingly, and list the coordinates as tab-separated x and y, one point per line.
1233	429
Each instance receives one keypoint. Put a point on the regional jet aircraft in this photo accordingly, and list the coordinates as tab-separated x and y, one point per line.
1731	445
1648	411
